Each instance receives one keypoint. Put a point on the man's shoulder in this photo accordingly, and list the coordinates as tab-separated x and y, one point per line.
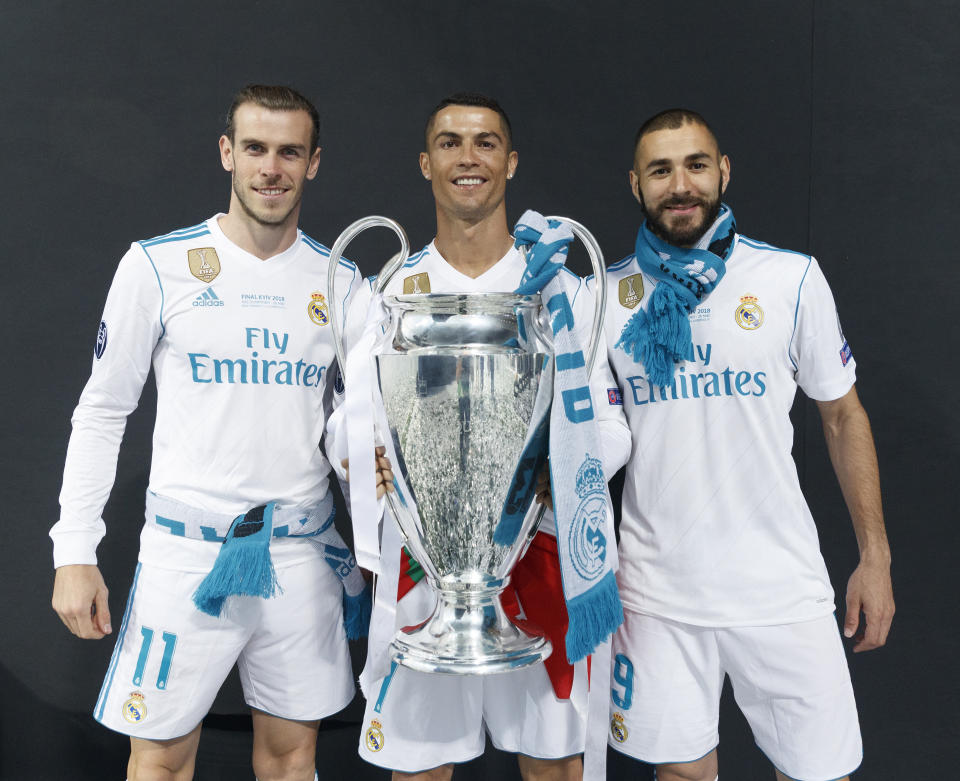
177	236
312	245
747	245
624	267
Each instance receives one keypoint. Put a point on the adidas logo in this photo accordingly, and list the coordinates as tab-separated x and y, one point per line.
208	298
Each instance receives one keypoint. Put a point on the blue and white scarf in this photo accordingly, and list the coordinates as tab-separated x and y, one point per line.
658	335
577	481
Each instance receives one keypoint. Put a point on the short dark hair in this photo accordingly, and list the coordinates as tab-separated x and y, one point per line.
672	119
471	99
274	98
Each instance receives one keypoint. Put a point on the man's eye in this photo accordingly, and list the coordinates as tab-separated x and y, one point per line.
291	153
661	172
254	148
447	144
697	166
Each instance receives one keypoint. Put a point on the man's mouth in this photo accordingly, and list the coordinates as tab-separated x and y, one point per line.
270	191
683	208
469	181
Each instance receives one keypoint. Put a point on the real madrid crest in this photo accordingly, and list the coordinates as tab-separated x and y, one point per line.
631	290
749	315
134	709
204	263
374	736
588	540
617	728
417	283
317	309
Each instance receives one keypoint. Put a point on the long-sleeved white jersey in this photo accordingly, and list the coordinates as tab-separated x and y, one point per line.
242	352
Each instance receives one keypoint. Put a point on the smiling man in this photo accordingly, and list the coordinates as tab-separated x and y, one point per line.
419	724
709	335
233	315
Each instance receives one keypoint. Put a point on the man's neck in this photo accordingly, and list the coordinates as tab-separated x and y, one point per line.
261	241
473	248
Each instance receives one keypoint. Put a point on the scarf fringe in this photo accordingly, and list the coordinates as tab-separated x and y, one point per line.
593	616
243	568
356	613
658	339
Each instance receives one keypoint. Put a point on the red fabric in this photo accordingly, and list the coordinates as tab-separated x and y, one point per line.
405	583
537	583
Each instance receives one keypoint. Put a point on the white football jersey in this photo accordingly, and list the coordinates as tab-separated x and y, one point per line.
428	272
715	529
242	351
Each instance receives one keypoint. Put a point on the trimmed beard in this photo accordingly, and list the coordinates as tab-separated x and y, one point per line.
269	219
686	236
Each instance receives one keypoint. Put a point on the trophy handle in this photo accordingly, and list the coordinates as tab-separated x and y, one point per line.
351	232
600	300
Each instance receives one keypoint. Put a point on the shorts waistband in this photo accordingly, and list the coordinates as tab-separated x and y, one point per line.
184	520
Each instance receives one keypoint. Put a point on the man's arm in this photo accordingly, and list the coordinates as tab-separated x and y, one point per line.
129	331
854	458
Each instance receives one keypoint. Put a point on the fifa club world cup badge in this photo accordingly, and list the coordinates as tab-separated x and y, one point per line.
749	315
588	543
617	728
374	736
204	263
135	709
417	283
631	290
317	309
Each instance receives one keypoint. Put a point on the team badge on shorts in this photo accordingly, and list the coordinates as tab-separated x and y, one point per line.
317	309
749	315
631	290
204	263
417	283
617	728
588	543
374	736
134	710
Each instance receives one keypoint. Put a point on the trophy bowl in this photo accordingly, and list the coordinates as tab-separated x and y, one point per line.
467	384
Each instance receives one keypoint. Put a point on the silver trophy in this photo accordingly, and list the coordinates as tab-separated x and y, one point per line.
467	385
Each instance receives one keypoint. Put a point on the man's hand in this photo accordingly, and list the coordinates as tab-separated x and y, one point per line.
80	599
869	590
544	496
384	471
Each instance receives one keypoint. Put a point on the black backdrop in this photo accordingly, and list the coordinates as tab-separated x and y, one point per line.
840	119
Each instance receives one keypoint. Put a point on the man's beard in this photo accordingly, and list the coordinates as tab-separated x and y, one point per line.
684	235
263	218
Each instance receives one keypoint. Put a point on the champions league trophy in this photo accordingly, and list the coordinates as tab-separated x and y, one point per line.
467	386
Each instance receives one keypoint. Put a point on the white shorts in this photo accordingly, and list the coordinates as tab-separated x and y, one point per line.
418	721
170	659
791	681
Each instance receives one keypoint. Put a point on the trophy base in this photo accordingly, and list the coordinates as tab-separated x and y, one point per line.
468	635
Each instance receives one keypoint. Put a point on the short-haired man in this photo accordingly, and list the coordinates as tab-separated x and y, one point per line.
232	313
419	724
709	334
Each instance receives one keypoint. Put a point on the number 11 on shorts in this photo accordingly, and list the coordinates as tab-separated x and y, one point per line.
169	644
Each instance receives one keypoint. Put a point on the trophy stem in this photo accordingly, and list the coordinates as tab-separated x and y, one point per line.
468	633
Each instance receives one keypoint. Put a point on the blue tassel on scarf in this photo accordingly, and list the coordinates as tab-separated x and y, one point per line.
243	566
593	615
356	612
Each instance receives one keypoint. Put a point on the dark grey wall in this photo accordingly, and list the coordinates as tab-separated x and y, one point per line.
840	119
